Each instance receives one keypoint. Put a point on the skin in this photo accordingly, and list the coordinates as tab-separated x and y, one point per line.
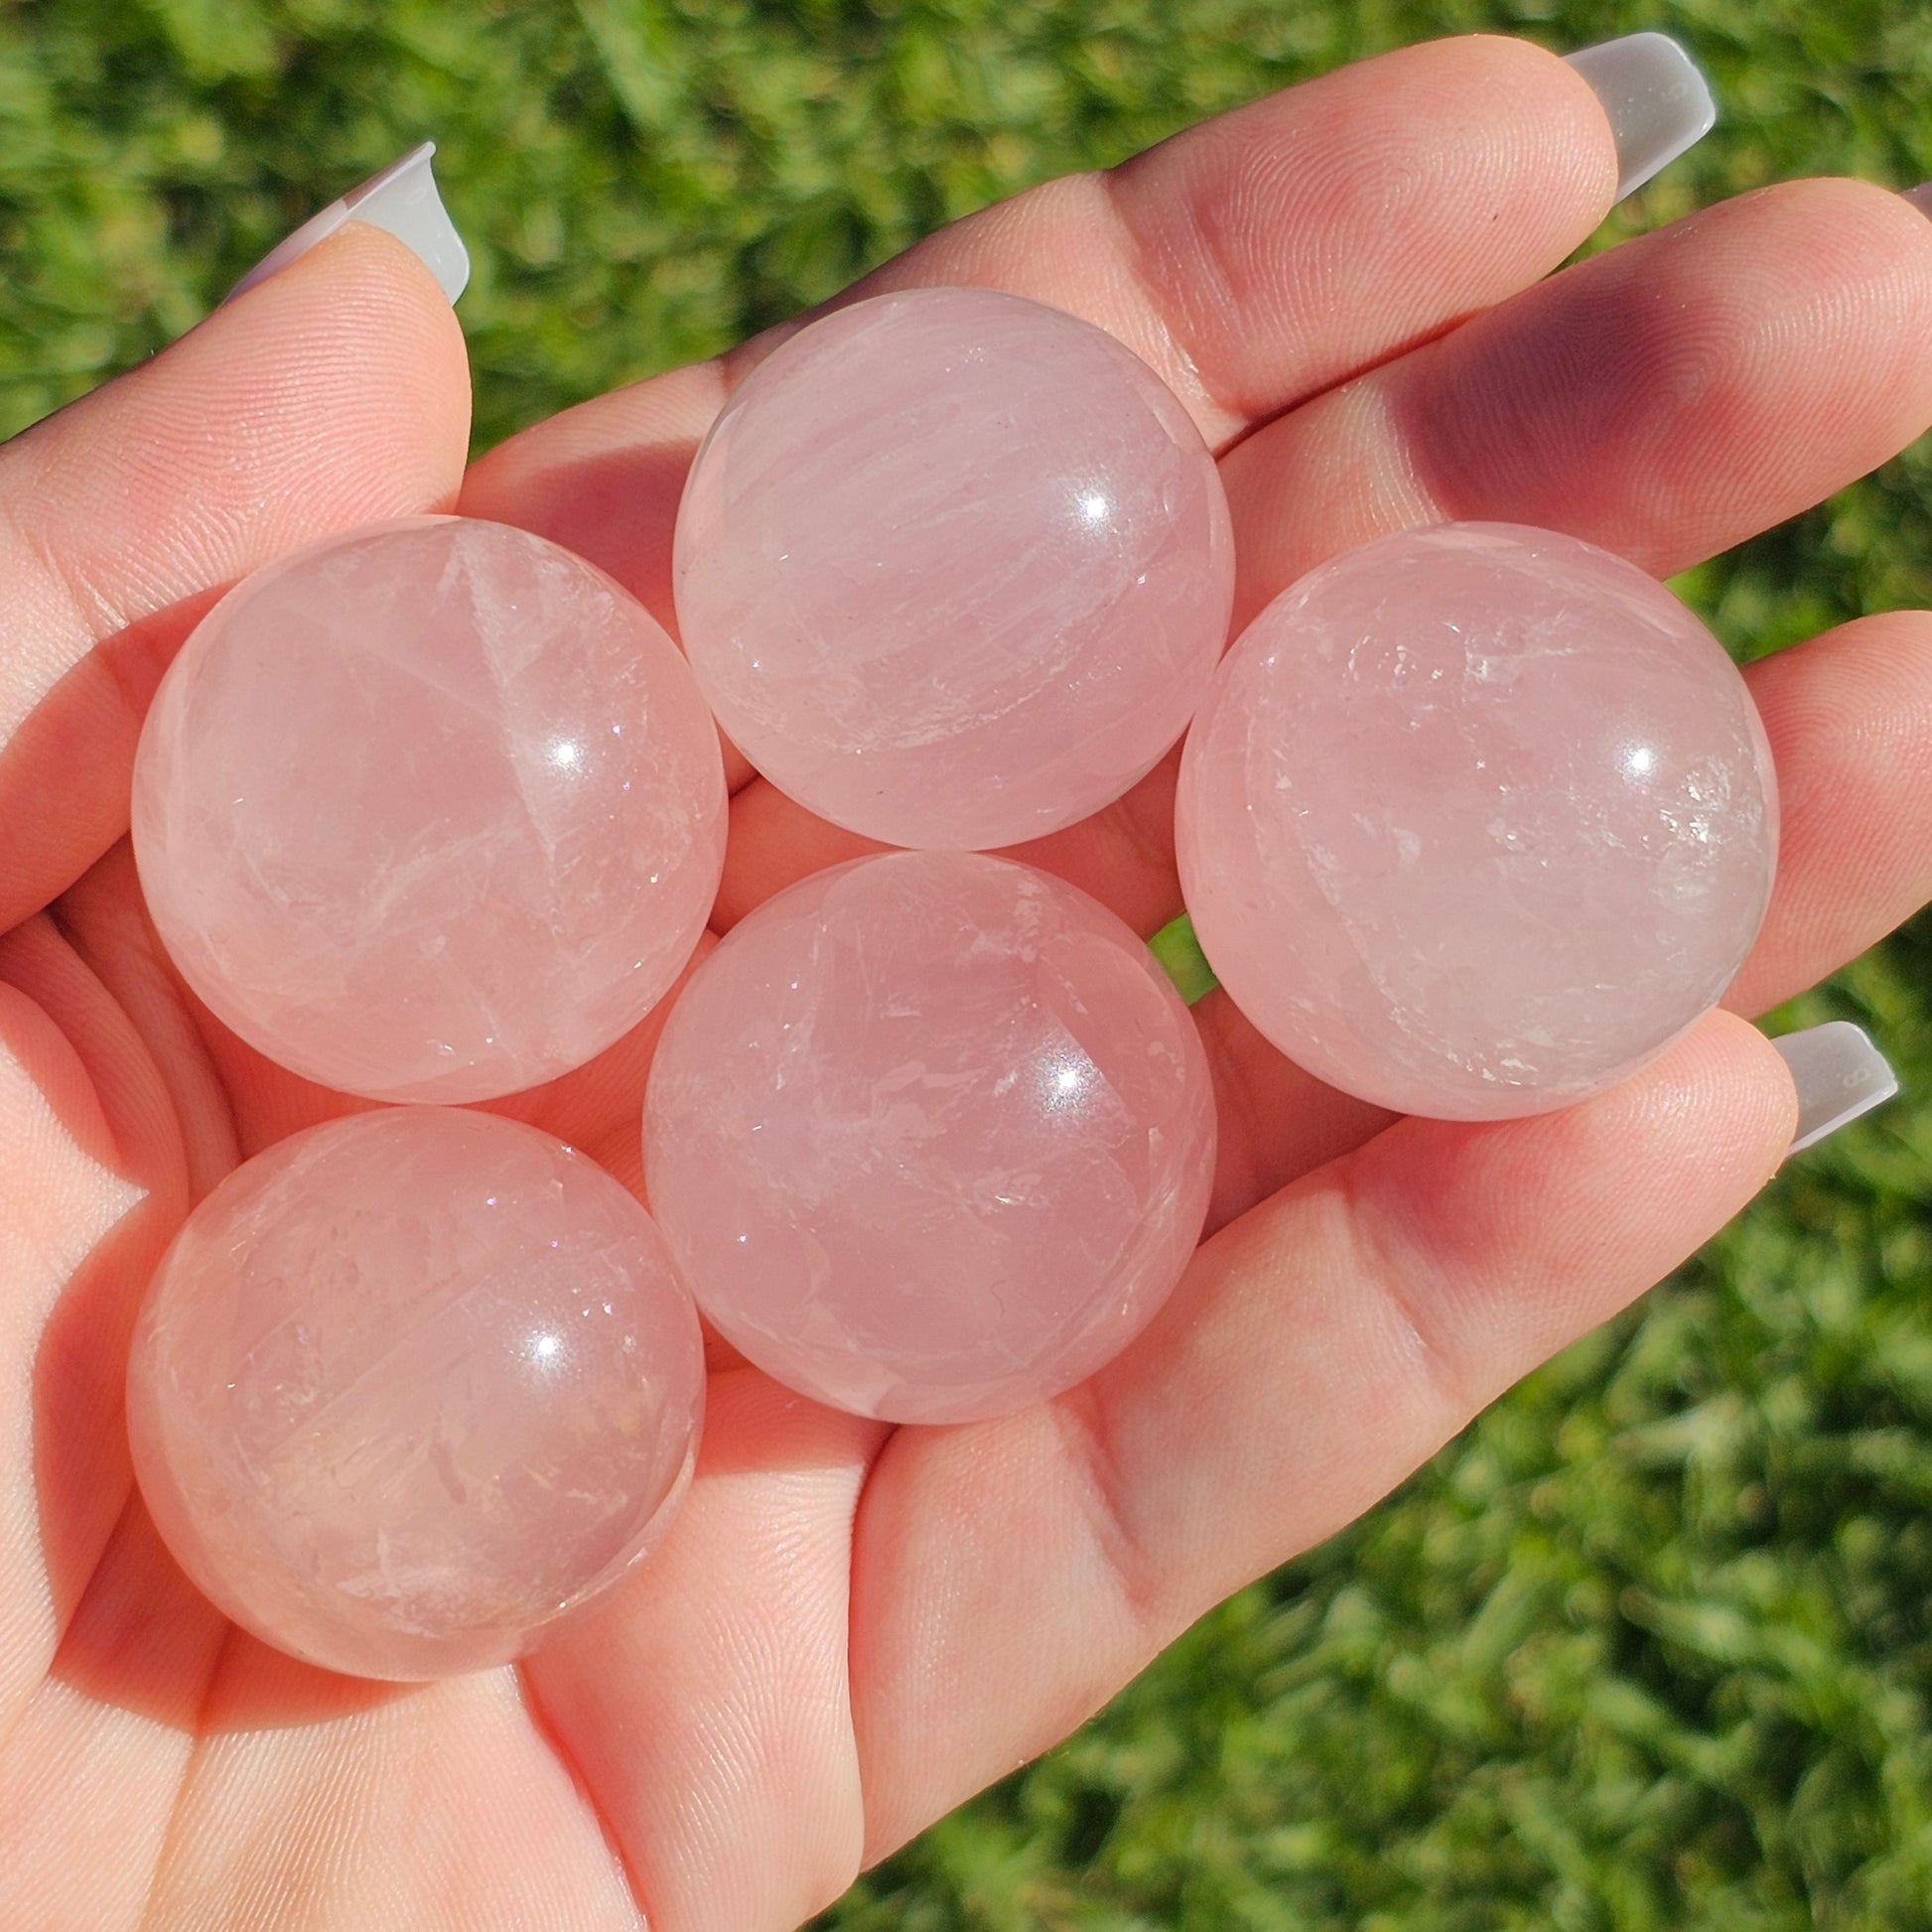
851	1628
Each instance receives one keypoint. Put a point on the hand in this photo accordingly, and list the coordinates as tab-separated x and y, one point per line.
851	1628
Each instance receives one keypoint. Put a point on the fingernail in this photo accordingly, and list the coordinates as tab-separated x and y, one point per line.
1921	196
1838	1076
1658	102
403	200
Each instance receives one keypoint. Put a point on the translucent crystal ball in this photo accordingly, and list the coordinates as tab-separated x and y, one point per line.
409	1387
1475	820
953	567
429	811
930	1136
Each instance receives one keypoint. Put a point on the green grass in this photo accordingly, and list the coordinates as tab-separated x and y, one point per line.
1650	1645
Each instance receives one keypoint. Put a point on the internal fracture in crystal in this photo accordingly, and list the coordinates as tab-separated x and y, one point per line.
429	811
930	1136
953	567
411	1386
1475	820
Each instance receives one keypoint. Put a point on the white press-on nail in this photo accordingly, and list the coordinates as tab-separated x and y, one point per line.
403	200
1838	1076
1658	102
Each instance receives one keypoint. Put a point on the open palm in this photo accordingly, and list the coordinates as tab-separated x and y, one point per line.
851	1627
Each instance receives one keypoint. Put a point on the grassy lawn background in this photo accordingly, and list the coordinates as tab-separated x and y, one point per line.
1648	1646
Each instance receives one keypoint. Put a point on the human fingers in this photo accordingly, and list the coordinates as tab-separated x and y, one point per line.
1269	253
1252	260
705	1704
1849	718
332	394
1320	1349
1666	398
1662	394
94	1184
1676	394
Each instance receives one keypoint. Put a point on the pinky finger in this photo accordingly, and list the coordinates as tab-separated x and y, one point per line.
1320	1349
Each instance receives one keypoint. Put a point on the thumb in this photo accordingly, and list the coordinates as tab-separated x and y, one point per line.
332	395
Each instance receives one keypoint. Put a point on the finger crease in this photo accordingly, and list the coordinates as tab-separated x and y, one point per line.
1172	356
1411	1294
1087	1437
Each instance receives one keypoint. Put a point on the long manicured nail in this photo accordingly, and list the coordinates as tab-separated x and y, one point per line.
1838	1076
403	200
1658	102
1921	196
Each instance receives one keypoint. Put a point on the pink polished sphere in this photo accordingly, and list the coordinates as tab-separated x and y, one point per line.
953	567
1476	820
930	1136
430	811
409	1387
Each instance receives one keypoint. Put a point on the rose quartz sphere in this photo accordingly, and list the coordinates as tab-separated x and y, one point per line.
409	1387
953	567
429	811
1476	820
930	1136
